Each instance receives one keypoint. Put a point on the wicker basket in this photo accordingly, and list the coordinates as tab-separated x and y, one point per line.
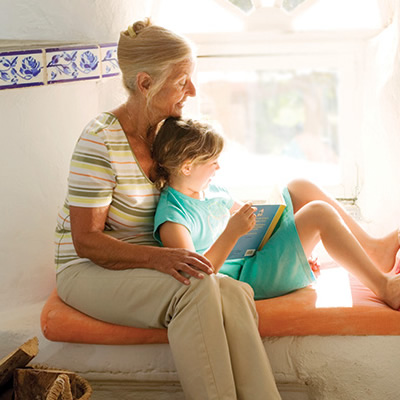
62	387
49	384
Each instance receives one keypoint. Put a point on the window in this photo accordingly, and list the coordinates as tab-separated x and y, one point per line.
280	122
285	87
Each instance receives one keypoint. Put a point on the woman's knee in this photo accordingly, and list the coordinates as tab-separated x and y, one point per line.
221	286
237	291
203	290
230	285
238	300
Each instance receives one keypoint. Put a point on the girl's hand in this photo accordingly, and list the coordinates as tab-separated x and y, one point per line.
243	220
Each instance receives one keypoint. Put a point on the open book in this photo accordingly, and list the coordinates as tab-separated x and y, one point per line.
267	216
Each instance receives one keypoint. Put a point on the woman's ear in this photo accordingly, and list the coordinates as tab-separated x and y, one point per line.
143	82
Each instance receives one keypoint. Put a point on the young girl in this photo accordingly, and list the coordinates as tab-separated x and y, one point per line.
197	215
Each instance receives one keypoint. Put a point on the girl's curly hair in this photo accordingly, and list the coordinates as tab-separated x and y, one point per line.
180	140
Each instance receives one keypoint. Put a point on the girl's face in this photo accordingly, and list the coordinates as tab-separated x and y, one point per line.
199	175
170	99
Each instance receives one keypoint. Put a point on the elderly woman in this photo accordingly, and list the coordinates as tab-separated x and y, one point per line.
108	264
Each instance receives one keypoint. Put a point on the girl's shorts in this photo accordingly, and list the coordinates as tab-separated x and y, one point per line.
280	267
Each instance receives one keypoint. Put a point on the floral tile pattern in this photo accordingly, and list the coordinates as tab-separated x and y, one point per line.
21	68
109	60
72	64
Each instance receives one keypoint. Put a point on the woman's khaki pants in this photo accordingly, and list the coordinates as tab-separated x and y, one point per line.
212	325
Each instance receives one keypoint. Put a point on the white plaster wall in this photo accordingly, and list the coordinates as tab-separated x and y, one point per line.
69	21
380	195
39	127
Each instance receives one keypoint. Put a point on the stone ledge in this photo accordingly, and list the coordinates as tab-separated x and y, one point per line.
314	367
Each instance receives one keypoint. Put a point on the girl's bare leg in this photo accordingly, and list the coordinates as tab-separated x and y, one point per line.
382	251
318	220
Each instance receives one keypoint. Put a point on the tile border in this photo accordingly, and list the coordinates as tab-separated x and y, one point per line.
109	60
21	68
72	63
57	64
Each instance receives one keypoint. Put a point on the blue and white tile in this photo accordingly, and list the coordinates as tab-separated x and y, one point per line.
21	68
109	60
66	64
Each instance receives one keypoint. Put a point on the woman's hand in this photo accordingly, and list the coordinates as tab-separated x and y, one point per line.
178	255
243	220
180	263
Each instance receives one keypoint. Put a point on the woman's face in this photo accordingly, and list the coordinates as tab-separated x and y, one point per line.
170	99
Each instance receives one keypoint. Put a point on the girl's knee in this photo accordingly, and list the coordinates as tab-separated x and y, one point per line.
320	210
299	185
301	192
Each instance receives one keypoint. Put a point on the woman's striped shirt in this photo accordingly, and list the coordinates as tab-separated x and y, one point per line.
104	172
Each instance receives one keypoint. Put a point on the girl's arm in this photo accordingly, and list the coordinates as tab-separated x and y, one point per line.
175	235
242	221
236	206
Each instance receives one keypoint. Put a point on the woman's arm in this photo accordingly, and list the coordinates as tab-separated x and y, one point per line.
177	236
87	225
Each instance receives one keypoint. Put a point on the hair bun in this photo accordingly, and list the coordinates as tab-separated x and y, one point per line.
140	25
137	27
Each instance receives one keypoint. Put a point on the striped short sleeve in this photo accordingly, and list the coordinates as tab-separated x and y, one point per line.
105	172
91	179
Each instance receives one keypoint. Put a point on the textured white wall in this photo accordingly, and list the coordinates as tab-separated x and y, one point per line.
39	127
71	21
380	195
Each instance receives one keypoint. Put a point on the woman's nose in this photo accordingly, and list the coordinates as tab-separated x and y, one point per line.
191	90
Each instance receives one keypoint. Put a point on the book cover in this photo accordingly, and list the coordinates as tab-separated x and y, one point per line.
267	216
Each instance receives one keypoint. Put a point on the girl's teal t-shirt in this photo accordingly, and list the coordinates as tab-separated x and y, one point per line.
205	219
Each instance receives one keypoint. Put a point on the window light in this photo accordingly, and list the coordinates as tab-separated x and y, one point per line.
248	5
226	16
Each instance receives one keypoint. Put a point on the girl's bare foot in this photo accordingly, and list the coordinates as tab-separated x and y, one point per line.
384	251
392	292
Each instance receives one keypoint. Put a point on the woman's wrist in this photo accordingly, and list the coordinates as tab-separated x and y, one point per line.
115	254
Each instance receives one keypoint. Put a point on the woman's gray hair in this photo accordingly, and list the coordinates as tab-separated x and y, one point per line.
144	47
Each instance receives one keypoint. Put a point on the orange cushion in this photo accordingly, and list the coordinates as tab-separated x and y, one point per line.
62	323
295	314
